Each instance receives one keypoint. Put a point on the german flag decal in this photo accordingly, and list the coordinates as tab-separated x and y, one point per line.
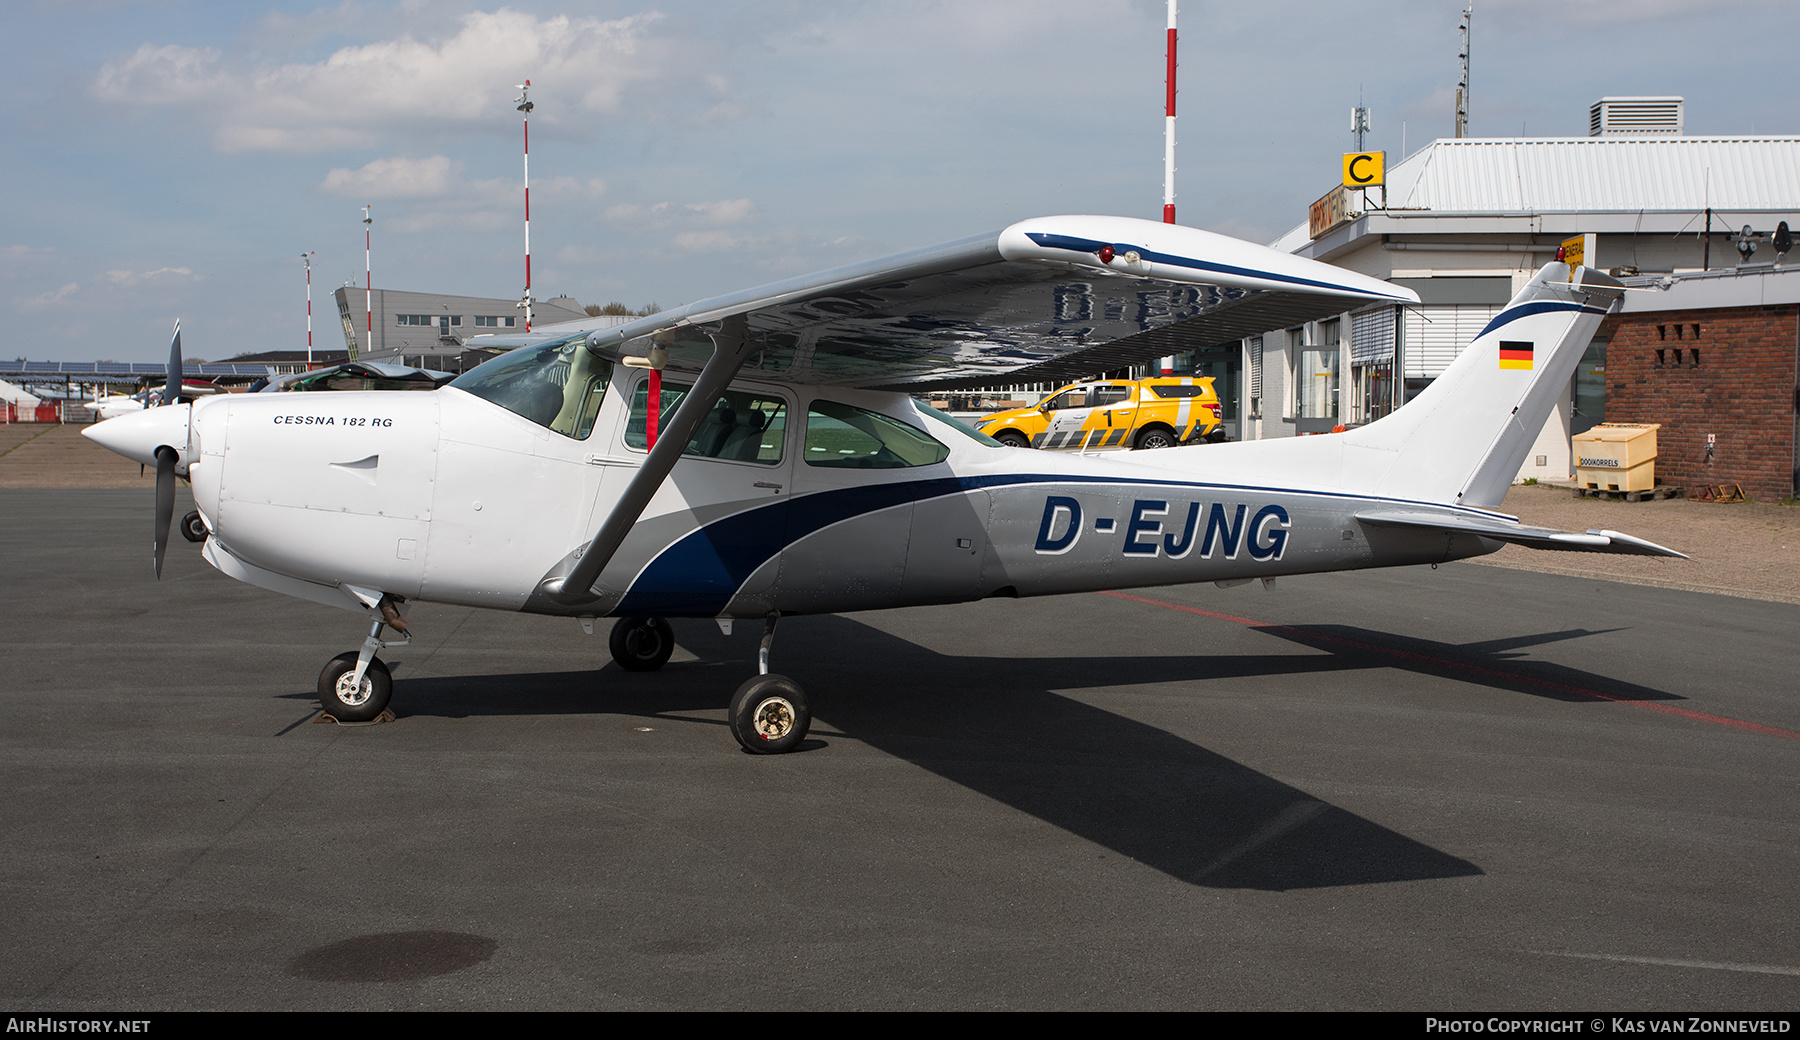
1515	354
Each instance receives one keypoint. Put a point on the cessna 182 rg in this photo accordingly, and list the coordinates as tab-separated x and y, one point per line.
795	475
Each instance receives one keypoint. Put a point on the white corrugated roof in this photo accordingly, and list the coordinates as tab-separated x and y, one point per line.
1599	174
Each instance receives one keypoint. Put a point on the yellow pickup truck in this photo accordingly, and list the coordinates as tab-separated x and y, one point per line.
1114	414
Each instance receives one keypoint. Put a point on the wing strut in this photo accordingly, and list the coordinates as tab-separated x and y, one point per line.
731	346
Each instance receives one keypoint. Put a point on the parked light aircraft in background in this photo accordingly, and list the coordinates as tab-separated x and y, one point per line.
118	404
796	476
356	375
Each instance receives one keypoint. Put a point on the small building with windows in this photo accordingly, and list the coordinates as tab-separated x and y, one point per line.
427	330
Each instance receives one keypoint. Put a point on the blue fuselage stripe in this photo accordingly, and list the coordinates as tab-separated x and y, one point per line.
699	574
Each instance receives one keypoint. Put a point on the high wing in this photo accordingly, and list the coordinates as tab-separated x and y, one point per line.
1042	299
1047	299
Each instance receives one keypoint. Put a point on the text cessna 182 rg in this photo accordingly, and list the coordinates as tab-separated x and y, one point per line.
795	475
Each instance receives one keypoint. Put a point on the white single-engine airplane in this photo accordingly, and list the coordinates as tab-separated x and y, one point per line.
796	476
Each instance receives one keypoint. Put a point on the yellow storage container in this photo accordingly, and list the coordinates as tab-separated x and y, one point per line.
1616	457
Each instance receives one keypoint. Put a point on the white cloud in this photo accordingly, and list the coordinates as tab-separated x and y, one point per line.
630	211
45	300
727	211
161	274
170	75
396	178
361	95
570	188
707	241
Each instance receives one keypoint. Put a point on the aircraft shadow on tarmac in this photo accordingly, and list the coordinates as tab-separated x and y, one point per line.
994	726
1487	663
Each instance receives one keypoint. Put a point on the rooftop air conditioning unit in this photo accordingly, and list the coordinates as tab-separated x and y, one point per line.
1613	116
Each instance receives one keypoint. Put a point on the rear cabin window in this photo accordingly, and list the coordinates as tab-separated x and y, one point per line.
1196	390
842	436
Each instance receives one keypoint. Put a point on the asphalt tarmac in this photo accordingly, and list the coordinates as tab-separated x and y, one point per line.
1463	789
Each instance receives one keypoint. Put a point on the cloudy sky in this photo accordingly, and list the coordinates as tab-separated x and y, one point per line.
170	158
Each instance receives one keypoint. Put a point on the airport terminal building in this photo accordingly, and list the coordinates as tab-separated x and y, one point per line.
1467	222
427	330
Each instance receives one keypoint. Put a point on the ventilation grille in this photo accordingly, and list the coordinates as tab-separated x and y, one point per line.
1610	116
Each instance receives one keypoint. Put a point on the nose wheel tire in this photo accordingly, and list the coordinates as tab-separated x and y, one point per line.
192	527
769	715
641	644
361	702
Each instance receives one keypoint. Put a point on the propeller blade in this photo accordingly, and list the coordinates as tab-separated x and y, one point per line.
172	382
165	501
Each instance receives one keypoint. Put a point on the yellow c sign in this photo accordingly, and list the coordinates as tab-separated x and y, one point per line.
1364	169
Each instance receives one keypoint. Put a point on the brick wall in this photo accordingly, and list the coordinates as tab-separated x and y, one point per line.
1727	371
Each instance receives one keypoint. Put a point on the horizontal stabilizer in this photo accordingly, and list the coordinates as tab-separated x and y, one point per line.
1517	533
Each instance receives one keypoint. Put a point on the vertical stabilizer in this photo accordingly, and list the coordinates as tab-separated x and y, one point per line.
1462	440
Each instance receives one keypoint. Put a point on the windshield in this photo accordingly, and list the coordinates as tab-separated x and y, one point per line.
558	385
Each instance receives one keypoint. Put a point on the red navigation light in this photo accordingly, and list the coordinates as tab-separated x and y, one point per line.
1106	254
1562	253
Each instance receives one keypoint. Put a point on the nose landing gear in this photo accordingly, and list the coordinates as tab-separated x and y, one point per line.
355	687
192	527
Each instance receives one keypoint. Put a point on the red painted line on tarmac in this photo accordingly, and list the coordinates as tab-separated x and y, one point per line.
1463	666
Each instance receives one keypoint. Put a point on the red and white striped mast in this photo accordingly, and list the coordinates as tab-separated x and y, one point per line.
525	107
306	257
368	280
1169	128
1168	364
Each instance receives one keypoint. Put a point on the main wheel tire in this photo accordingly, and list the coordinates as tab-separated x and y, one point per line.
192	527
361	703
1154	437
1012	439
769	715
642	644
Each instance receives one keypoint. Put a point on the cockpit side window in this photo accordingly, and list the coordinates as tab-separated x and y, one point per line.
559	386
741	426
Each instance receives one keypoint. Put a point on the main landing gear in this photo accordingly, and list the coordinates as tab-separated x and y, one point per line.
355	687
769	714
642	644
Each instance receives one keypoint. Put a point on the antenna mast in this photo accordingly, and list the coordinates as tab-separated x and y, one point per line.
307	259
368	280
1462	86
525	107
1359	121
